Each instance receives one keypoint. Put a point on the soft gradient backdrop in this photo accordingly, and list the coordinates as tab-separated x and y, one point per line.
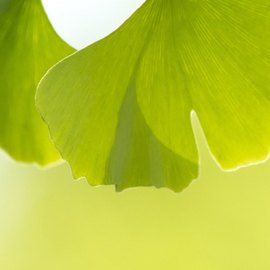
50	221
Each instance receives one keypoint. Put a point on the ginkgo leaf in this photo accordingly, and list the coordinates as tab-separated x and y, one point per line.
119	110
29	46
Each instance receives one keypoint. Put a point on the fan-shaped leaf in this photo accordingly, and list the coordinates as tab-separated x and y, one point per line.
28	48
119	110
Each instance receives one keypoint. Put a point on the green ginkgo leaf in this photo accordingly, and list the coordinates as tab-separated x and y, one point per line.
29	46
119	110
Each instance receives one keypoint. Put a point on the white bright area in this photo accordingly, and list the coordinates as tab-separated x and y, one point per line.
81	22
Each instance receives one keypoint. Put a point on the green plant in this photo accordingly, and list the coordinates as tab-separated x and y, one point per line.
29	46
119	110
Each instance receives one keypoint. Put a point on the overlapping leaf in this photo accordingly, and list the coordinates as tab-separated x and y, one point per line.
119	110
29	46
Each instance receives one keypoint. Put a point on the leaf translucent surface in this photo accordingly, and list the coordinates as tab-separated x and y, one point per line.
119	110
29	46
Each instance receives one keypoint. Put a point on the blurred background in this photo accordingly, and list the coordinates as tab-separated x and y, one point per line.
50	221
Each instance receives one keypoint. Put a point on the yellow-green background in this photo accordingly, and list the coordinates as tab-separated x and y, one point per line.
50	222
